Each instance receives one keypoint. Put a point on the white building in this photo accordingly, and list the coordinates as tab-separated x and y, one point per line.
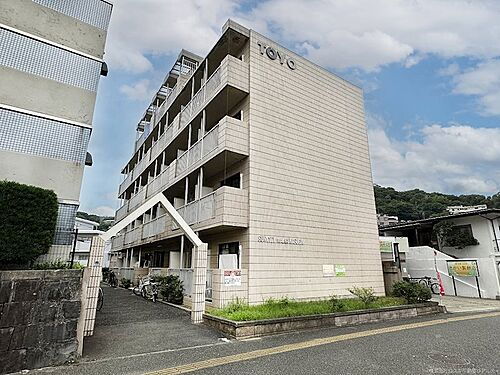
453	210
483	225
265	155
384	220
51	60
86	232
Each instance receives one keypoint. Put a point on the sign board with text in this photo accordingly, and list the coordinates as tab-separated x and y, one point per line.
463	268
340	270
385	246
232	277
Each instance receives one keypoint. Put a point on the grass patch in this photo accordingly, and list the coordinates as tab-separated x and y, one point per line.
282	308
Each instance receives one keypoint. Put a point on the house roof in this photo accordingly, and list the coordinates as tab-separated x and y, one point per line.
86	221
491	213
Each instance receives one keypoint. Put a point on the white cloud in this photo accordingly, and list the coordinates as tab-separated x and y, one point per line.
335	33
144	27
370	34
483	82
455	159
141	90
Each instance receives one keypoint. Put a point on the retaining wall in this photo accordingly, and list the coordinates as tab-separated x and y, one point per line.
39	312
272	326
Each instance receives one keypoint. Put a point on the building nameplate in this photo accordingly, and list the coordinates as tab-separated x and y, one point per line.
274	54
280	240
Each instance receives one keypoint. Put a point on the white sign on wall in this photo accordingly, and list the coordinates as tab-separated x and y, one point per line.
232	277
328	270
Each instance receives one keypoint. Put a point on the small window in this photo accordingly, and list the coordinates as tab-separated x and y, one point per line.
463	229
227	249
233	181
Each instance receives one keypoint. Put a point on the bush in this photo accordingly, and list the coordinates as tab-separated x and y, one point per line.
411	292
28	216
366	295
336	303
172	289
125	283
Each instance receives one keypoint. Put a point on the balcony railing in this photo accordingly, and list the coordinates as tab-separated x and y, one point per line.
133	235
196	152
121	212
155	226
200	99
118	241
199	210
137	199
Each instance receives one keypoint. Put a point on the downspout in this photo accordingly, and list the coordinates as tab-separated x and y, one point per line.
493	228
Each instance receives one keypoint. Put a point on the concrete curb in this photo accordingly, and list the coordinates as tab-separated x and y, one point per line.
258	328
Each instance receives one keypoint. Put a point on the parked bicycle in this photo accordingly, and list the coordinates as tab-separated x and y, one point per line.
427	281
147	289
112	279
100	299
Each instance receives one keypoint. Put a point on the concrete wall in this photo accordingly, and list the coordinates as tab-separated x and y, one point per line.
63	177
223	294
39	318
38	94
420	262
310	179
482	231
47	23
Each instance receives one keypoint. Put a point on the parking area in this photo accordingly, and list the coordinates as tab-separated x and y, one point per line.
129	325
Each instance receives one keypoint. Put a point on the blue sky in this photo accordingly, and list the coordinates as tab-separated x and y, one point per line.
430	71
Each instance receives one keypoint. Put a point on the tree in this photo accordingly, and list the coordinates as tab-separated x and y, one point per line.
418	204
28	216
450	235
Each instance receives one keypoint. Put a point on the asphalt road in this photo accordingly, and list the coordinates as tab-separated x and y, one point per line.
440	345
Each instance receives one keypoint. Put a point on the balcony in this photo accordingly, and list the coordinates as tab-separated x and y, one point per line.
231	71
121	212
133	235
229	134
226	207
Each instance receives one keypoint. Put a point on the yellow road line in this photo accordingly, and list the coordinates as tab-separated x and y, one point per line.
209	363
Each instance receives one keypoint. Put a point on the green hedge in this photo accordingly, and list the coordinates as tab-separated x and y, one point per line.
28	216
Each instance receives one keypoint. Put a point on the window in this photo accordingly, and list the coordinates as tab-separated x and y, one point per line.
233	181
463	229
229	249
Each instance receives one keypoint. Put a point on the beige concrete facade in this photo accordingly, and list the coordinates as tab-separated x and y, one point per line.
50	66
301	214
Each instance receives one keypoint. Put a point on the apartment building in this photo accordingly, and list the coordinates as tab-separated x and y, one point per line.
50	65
265	155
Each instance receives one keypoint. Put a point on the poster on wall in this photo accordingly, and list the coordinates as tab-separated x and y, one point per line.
340	270
385	246
463	268
232	277
328	270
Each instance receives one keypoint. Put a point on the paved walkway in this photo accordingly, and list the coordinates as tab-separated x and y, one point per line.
463	304
129	325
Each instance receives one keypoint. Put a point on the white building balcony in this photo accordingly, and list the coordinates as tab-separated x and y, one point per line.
231	72
225	208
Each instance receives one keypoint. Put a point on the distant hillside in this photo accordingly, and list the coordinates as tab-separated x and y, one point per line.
98	219
418	204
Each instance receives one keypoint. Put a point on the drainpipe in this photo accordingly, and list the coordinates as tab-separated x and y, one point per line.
494	230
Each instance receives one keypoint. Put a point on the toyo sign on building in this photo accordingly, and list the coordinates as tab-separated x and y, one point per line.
274	54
